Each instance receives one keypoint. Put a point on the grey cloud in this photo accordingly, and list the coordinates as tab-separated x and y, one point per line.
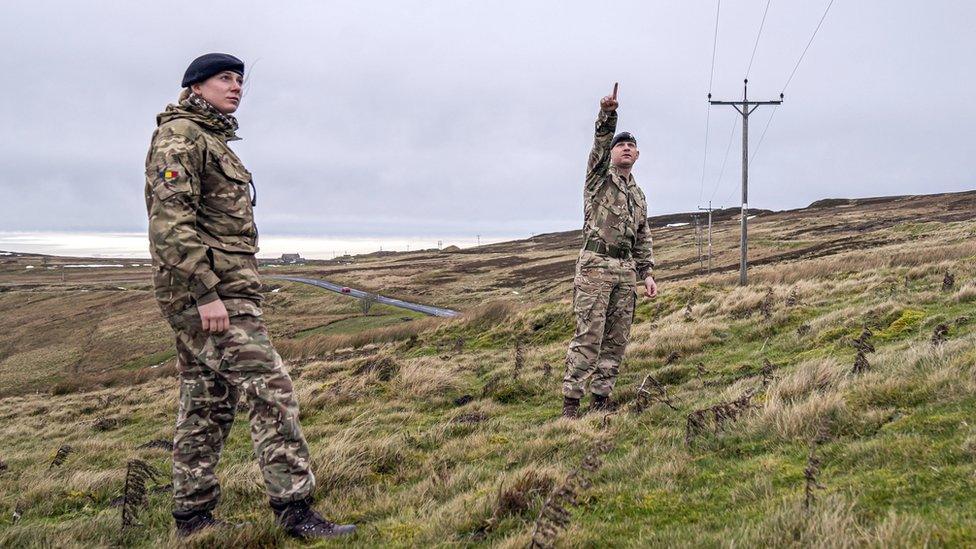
455	118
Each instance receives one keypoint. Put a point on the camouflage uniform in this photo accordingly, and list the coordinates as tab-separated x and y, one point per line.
616	254
203	240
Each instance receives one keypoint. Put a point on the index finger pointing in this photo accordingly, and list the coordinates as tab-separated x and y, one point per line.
614	90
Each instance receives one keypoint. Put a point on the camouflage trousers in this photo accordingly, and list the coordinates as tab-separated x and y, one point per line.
215	370
603	302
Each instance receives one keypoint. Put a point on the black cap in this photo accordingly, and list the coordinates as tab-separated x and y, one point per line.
205	66
623	136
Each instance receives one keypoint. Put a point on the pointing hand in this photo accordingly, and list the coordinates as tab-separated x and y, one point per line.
609	103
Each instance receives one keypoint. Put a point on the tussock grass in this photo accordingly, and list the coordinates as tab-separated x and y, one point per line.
321	345
397	451
927	258
966	294
834	522
684	338
427	377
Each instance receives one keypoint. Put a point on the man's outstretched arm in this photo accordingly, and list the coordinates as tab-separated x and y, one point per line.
606	125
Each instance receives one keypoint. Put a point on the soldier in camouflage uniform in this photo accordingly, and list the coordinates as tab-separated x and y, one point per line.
616	255
203	243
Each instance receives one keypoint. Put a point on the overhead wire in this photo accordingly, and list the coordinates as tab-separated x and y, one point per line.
708	106
790	79
773	111
758	35
735	123
798	61
752	58
762	136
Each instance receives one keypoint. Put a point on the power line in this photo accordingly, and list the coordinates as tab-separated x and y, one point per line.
769	121
798	61
711	76
756	46
790	79
708	107
701	189
735	124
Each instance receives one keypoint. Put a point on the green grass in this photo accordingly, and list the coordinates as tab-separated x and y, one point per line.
395	454
151	360
377	318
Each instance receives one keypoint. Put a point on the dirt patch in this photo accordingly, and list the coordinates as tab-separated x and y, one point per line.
810	252
557	270
474	267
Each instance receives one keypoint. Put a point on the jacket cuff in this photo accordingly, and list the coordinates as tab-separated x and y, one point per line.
208	297
644	271
204	284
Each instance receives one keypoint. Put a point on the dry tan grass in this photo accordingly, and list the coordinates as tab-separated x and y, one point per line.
800	404
928	256
490	314
425	377
820	375
675	336
393	454
966	294
740	301
833	523
322	345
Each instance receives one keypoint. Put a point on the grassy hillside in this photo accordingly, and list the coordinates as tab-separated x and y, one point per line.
743	419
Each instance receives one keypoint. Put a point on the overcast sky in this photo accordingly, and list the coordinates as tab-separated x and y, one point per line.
452	118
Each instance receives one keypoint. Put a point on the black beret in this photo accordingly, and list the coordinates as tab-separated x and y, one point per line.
205	66
623	136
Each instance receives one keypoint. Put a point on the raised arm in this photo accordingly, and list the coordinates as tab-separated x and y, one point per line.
606	125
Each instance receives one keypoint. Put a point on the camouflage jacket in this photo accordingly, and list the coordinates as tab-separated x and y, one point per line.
614	207
202	235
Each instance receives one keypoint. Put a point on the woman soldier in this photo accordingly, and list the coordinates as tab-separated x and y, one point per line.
203	240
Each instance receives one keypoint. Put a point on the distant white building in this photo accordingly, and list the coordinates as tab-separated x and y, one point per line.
292	258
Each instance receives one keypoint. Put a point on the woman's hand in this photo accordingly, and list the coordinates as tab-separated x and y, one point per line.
213	317
651	287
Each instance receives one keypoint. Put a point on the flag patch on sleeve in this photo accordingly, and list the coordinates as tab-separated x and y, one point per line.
170	175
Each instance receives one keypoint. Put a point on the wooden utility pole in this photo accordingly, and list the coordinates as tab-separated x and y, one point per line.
709	209
698	239
746	109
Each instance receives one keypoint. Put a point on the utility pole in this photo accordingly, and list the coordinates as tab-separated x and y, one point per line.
709	208
698	240
746	109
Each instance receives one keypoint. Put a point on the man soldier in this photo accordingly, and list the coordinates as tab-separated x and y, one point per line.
616	254
203	243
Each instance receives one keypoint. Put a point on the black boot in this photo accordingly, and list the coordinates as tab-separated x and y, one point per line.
570	407
191	522
602	404
300	521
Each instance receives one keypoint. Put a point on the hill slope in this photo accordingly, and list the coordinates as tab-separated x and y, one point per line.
734	401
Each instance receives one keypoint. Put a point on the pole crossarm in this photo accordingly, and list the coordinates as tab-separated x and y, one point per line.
779	102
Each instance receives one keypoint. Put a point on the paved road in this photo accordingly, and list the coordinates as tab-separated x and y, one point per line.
426	309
